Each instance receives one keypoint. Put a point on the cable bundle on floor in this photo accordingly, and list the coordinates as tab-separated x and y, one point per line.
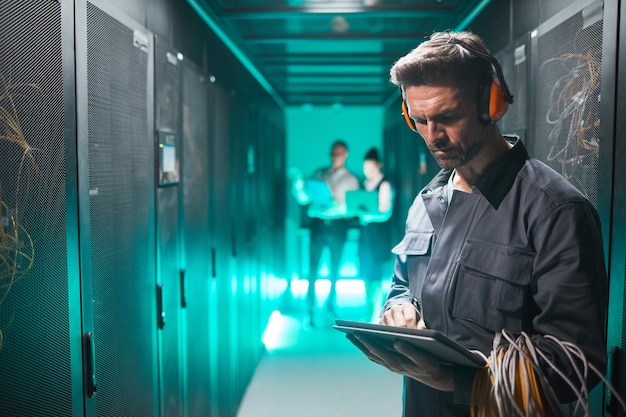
513	384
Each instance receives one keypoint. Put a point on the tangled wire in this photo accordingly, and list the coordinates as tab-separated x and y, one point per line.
514	384
16	245
574	112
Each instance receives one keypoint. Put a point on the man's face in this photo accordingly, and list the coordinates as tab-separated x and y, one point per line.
448	123
338	155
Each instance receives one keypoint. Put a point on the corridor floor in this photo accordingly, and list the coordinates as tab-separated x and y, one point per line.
316	372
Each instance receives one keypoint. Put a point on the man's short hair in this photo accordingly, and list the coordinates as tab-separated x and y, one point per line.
339	143
438	61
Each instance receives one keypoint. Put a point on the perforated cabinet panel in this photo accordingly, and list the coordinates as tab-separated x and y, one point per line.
567	64
167	86
227	155
35	360
167	103
121	213
197	109
514	61
565	100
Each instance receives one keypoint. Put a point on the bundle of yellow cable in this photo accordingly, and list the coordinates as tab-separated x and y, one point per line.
507	386
513	384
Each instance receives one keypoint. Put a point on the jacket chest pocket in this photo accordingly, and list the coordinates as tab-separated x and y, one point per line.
491	285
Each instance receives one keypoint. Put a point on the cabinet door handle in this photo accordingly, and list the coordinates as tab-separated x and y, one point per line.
614	366
160	312
213	262
183	289
89	365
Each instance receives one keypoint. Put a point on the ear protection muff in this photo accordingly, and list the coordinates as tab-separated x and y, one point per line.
494	95
492	103
405	113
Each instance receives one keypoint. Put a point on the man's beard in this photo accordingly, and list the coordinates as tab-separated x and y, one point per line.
458	156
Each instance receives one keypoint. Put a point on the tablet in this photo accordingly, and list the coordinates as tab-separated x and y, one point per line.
320	193
361	200
430	341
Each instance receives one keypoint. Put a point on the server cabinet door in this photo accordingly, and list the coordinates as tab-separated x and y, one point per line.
170	276
40	354
116	197
566	70
227	180
198	256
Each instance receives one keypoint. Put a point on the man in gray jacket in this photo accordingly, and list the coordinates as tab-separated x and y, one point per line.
497	240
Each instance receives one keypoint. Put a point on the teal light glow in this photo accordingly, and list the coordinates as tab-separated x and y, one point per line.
277	331
350	292
472	15
348	269
276	286
247	284
215	27
233	284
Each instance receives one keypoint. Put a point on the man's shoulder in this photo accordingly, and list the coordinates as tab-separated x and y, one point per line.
543	179
539	172
321	171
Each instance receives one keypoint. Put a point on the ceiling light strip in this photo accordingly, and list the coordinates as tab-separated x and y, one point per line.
204	15
472	15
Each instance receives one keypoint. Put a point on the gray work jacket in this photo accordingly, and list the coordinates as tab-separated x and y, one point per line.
522	252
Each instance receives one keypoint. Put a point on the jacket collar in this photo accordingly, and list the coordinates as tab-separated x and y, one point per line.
498	180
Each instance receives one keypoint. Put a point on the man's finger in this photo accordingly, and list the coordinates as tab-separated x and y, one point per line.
415	355
364	347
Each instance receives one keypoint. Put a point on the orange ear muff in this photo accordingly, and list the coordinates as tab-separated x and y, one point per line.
497	102
407	118
492	103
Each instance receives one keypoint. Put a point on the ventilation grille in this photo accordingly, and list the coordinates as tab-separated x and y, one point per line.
34	318
515	68
567	106
167	97
121	185
196	170
168	90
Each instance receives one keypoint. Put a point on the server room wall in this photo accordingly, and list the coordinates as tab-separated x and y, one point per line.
138	225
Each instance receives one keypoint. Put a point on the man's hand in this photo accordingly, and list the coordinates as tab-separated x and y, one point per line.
406	360
403	315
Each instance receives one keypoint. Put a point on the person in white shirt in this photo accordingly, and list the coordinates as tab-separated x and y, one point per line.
329	220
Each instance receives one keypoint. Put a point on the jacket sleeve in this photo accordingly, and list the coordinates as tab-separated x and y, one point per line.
412	257
400	292
570	291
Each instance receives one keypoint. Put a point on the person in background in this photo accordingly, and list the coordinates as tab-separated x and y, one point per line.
497	241
329	220
375	238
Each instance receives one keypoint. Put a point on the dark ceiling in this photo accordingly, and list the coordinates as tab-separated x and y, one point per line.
325	52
